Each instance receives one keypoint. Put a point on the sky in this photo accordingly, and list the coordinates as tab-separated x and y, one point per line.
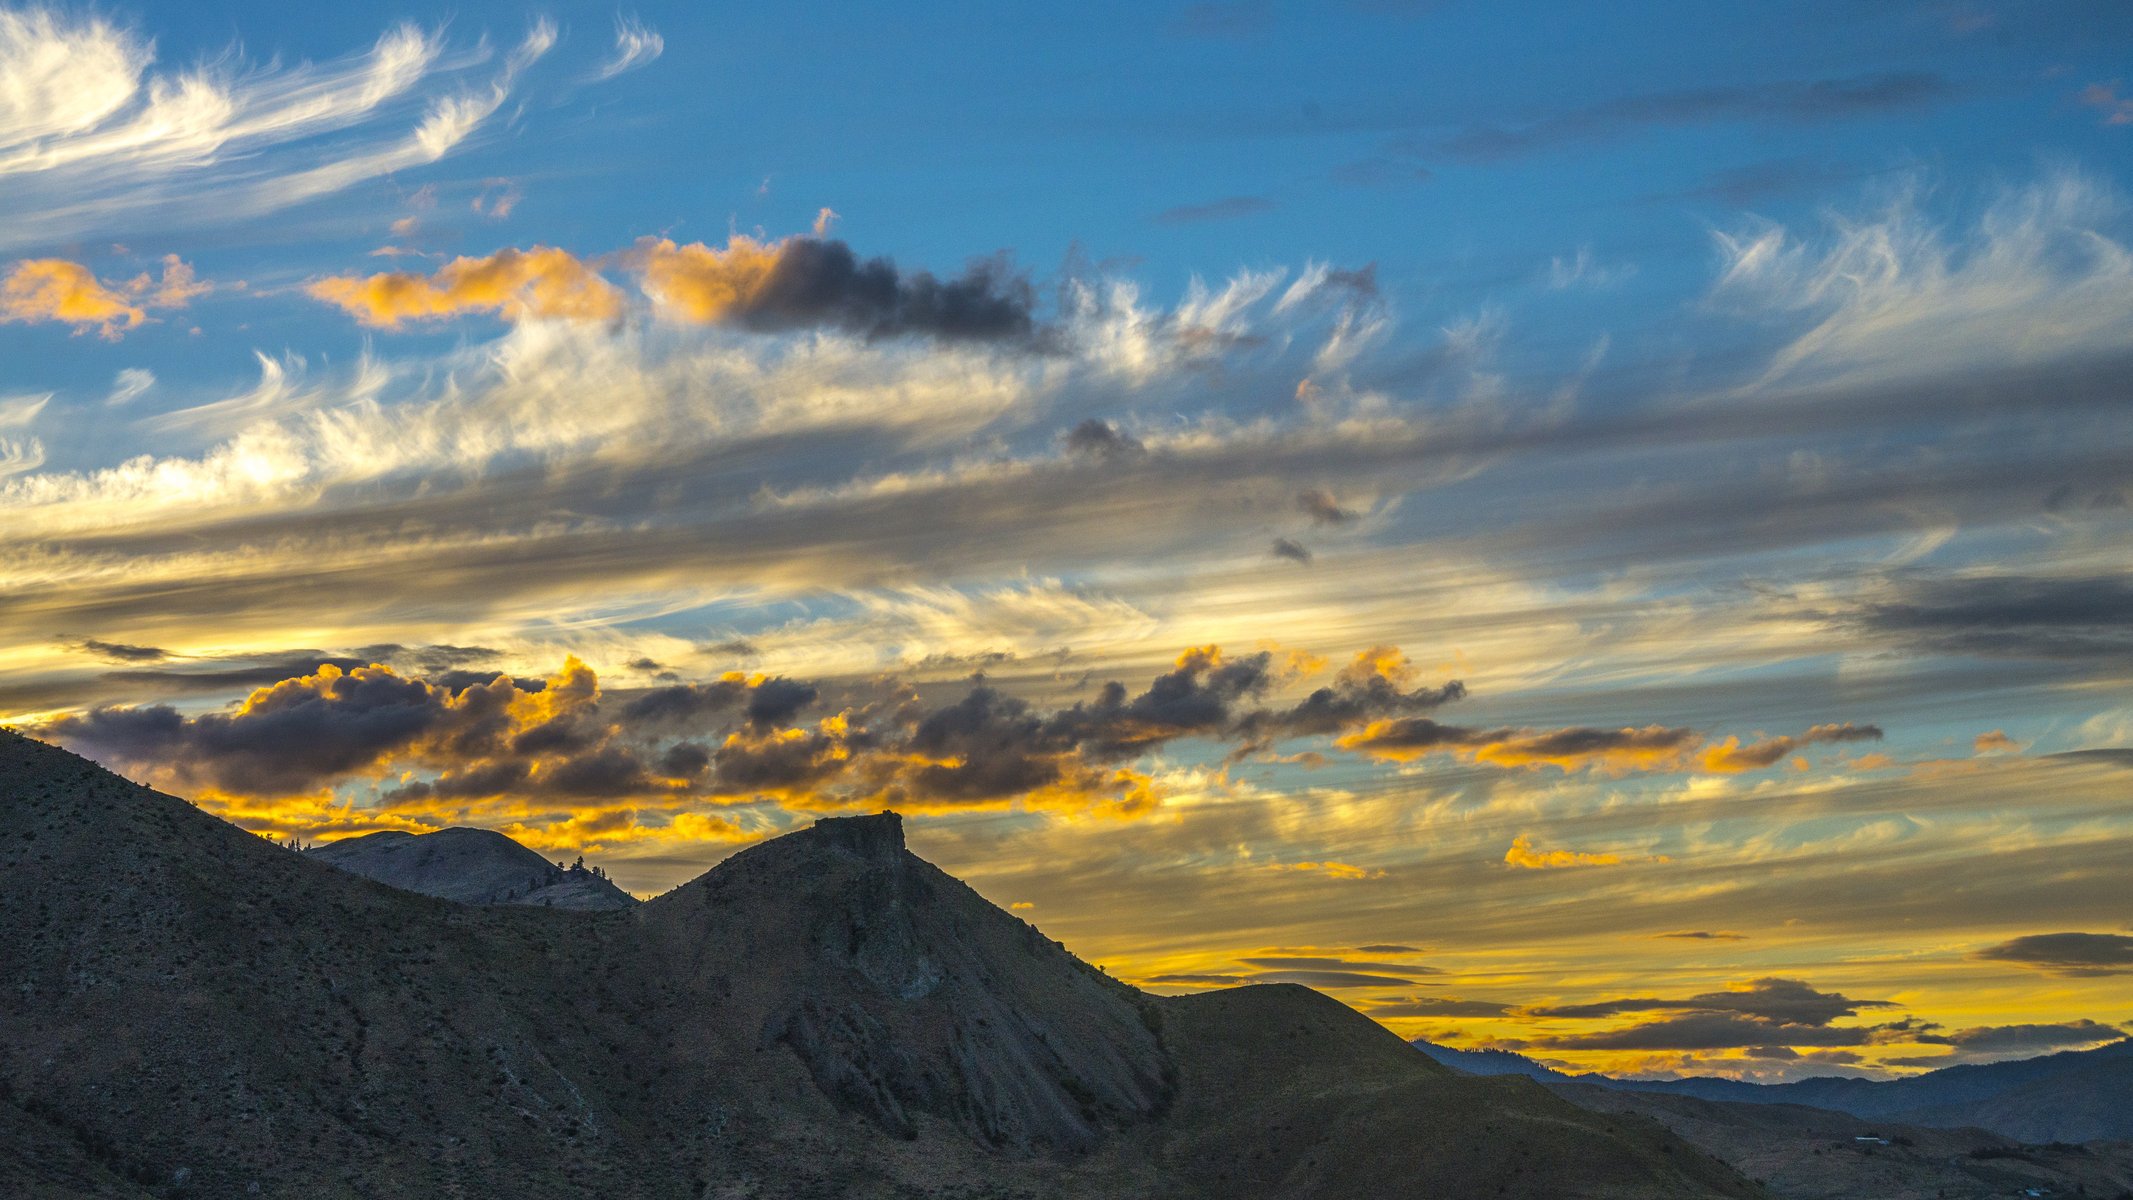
1593	530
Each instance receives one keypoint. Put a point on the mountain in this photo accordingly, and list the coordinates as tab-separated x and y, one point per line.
1803	1153
190	1010
2071	1096
472	866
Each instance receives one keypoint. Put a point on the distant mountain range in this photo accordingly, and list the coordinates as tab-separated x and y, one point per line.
2073	1096
190	1010
472	866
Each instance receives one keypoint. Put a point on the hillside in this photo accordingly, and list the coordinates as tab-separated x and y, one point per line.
471	866
194	1011
2072	1096
1818	1154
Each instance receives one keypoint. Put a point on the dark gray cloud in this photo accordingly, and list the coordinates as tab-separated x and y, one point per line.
1229	208
1786	1001
1712	1031
2005	615
1814	100
821	281
1101	439
2004	1039
1704	935
122	651
284	741
1320	505
1295	552
2067	953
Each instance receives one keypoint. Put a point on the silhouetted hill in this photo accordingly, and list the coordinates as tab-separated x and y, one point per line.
191	1010
1805	1153
2072	1096
472	866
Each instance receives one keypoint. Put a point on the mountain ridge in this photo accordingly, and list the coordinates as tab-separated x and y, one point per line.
195	1011
2027	1099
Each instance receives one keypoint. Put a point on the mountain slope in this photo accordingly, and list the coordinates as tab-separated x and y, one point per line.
471	866
1818	1154
191	1010
2072	1096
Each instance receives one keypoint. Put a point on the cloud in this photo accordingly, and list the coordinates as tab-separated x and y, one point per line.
1730	756
2004	1039
1438	1006
63	291
2078	954
2037	274
2003	615
129	385
542	282
1102	440
1812	101
314	724
20	412
1295	552
1405	739
1704	935
1319	505
1229	208
1331	870
1771	998
1995	741
636	46
2104	97
807	282
1767	1012
123	651
1523	855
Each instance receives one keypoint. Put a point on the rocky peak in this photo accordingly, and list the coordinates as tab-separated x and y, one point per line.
880	836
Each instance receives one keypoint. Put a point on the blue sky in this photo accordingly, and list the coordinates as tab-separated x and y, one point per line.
1608	472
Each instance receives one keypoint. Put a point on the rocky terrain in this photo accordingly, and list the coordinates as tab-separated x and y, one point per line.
472	866
190	1010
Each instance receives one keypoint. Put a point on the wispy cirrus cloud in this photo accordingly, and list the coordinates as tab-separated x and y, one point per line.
95	137
636	46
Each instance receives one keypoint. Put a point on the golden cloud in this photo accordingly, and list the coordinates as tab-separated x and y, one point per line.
64	291
1523	856
543	282
702	283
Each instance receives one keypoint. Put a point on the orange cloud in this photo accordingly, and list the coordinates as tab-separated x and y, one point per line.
1731	757
1523	856
1404	739
542	282
58	289
1996	742
703	283
1331	870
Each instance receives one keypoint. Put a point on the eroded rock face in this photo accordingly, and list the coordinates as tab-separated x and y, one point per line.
913	998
